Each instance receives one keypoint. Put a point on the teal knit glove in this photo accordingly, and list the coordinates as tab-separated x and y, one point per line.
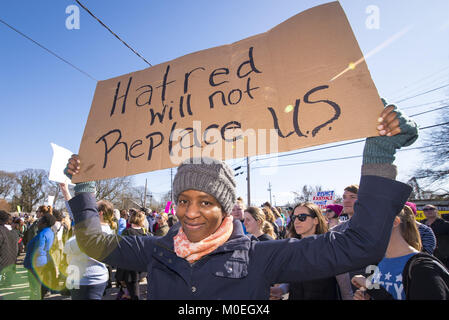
379	150
88	186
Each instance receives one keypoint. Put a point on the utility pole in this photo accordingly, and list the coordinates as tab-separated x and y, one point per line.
145	195
269	189
248	181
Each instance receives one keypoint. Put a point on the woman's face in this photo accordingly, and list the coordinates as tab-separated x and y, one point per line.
237	211
330	213
430	212
161	219
200	214
251	225
307	227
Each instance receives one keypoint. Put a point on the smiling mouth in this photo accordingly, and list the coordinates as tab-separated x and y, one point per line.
192	226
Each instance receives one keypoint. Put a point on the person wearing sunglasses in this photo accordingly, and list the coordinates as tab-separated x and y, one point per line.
440	228
207	256
333	212
162	222
307	220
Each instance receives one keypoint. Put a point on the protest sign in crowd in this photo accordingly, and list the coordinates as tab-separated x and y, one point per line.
195	112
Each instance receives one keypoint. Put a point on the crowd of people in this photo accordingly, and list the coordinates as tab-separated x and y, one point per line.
52	252
53	259
214	246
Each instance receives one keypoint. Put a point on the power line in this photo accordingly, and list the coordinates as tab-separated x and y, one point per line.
426	81
423	93
435	125
349	157
306	151
424	112
308	162
423	87
112	32
424	104
333	159
316	149
48	50
236	164
340	144
419	81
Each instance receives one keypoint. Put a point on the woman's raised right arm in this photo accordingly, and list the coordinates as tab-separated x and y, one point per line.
129	252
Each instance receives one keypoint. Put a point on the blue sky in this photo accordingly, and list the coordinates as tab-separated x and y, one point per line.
44	100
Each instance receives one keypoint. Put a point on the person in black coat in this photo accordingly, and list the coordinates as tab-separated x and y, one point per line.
307	220
440	228
8	249
207	256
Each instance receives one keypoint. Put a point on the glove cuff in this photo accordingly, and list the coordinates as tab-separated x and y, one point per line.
85	187
384	170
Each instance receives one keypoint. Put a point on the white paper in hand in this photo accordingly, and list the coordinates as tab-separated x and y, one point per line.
60	158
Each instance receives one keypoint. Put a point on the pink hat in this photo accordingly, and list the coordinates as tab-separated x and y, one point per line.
335	208
412	206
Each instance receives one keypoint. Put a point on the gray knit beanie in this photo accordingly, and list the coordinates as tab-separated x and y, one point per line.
207	175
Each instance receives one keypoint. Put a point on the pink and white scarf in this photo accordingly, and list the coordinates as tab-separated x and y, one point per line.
193	251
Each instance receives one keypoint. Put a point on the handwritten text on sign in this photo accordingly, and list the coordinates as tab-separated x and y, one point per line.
268	93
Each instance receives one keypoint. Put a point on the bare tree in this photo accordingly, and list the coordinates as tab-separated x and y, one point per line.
138	195
111	188
8	184
435	171
166	197
32	188
306	193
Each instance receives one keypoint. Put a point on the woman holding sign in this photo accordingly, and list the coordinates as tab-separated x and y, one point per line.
207	256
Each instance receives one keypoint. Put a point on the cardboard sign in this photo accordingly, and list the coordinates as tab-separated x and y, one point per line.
323	198
265	94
